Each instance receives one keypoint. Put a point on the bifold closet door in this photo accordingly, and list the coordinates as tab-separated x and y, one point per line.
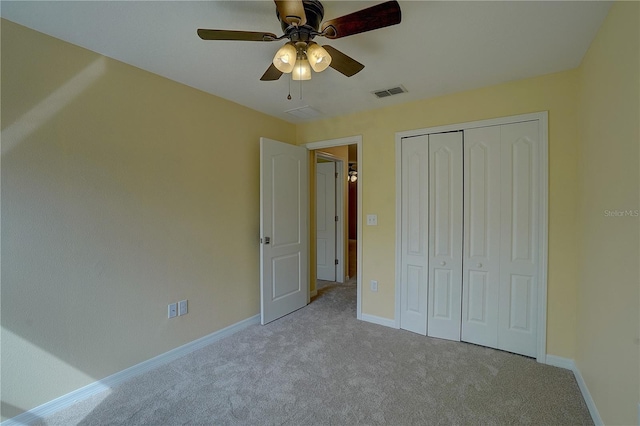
499	298
481	271
445	235
414	273
517	322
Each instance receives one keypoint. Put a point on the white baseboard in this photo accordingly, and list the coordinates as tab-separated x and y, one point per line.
570	364
51	407
558	361
379	320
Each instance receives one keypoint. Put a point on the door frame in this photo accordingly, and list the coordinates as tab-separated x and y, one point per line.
543	210
330	143
339	203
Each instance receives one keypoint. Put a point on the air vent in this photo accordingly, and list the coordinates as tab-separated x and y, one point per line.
305	112
389	92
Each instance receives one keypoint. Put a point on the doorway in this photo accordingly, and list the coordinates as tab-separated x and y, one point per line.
344	150
330	218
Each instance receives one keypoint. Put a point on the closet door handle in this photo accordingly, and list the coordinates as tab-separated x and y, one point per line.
479	265
443	263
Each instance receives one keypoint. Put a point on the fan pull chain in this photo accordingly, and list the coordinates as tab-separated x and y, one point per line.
289	95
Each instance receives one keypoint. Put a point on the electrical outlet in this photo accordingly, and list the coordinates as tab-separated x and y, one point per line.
374	285
372	219
173	310
182	307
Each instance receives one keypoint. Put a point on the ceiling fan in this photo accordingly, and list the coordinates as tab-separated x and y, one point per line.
300	21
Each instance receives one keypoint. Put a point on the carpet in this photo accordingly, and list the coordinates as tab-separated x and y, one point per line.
321	366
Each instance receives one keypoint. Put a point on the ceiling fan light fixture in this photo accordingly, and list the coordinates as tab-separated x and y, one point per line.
319	58
285	59
302	70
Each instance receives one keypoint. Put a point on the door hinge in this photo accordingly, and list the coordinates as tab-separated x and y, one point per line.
336	175
337	218
336	261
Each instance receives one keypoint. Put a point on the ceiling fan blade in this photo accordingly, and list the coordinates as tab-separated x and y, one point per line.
272	73
235	35
291	11
343	63
372	18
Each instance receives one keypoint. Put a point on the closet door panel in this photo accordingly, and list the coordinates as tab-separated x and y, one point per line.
445	237
415	180
481	258
519	238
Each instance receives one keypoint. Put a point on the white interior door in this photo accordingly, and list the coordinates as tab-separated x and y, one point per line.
519	238
326	221
481	262
414	238
445	235
284	184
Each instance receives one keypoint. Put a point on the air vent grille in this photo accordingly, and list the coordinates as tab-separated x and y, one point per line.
305	112
389	92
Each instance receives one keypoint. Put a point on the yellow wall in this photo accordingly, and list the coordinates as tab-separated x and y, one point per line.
609	283
556	93
121	192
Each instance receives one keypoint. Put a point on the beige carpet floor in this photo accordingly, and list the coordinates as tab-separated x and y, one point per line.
321	366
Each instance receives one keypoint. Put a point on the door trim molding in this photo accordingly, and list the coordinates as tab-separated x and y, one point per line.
350	140
543	209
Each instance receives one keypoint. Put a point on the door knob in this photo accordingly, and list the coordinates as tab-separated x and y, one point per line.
267	240
443	263
479	265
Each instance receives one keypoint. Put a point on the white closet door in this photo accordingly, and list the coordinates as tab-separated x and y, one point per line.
481	262
519	238
413	310
445	236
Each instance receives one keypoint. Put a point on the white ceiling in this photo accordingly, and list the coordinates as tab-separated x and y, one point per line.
439	48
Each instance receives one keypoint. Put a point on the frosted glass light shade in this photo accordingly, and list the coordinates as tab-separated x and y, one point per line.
285	58
319	58
302	70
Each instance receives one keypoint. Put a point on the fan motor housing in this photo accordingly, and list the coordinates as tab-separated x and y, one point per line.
314	12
